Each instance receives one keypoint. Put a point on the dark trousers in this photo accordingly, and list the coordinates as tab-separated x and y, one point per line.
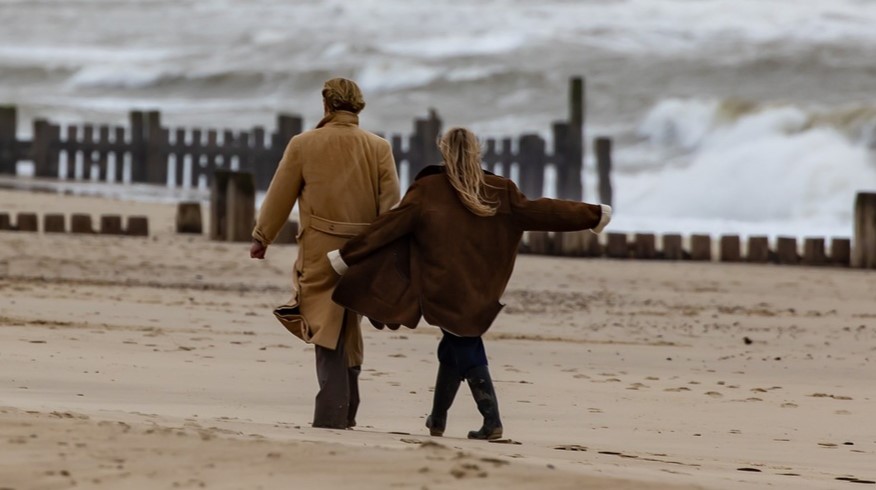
338	399
461	354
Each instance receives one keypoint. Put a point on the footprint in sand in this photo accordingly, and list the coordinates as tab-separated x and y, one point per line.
679	389
714	394
789	405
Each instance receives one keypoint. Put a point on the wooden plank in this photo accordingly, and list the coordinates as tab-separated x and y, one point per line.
72	150
55	223
731	248
111	224
189	218
841	251
531	162
603	166
81	223
758	250
786	251
864	250
645	246
27	222
8	140
617	247
672	248
701	247
814	251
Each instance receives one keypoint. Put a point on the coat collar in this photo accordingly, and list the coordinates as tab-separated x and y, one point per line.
438	169
339	117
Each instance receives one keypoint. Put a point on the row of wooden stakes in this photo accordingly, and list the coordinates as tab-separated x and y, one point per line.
79	223
699	248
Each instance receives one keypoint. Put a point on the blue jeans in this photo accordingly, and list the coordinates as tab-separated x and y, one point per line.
461	354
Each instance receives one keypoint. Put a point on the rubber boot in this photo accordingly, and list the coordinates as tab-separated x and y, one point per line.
446	386
484	394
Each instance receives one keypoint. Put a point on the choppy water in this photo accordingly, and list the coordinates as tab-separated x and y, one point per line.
729	115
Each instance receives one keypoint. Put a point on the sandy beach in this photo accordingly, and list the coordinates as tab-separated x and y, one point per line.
156	363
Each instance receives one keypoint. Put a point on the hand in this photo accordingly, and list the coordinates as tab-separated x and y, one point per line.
257	250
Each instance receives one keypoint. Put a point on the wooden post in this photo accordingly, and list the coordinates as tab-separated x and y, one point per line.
232	203
531	163
424	144
786	251
156	140
603	166
841	251
8	141
645	246
5	222
241	206
864	251
189	218
577	244
46	138
672	248
758	250
55	223
569	173
81	223
138	147
701	247
27	222
111	224
617	247
813	251
730	249
137	226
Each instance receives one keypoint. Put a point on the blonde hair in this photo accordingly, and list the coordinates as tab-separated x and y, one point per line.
462	160
341	94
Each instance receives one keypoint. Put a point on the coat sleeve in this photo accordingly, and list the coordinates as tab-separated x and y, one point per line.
387	228
281	196
388	192
556	214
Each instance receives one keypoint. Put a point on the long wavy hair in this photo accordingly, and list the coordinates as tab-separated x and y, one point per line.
462	160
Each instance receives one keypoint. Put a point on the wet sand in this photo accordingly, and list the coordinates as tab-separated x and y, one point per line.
155	362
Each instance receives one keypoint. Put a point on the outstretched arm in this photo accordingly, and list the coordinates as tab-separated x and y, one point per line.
556	214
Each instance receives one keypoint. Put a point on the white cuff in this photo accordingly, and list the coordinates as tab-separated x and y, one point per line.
337	262
603	220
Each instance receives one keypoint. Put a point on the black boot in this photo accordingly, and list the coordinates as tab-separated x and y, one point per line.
446	386
485	396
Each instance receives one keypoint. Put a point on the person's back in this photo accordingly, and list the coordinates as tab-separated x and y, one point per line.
446	253
338	159
342	178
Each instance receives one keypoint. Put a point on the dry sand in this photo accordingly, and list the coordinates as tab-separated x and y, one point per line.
155	363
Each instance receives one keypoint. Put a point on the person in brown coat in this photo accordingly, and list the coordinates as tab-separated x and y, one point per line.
446	254
342	178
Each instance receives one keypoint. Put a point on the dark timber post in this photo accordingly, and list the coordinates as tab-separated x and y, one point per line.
8	142
138	147
156	145
424	144
45	148
864	250
530	161
573	163
603	166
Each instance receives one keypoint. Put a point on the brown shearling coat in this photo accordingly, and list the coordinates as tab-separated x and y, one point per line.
342	177
434	258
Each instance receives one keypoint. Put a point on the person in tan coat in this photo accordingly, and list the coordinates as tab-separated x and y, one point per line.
446	254
342	178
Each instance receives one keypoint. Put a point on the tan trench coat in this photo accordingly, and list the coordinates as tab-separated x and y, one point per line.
342	177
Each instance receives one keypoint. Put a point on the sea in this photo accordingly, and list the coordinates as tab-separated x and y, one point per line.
752	117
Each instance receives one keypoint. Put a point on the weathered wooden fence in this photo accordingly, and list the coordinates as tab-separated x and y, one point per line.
148	152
